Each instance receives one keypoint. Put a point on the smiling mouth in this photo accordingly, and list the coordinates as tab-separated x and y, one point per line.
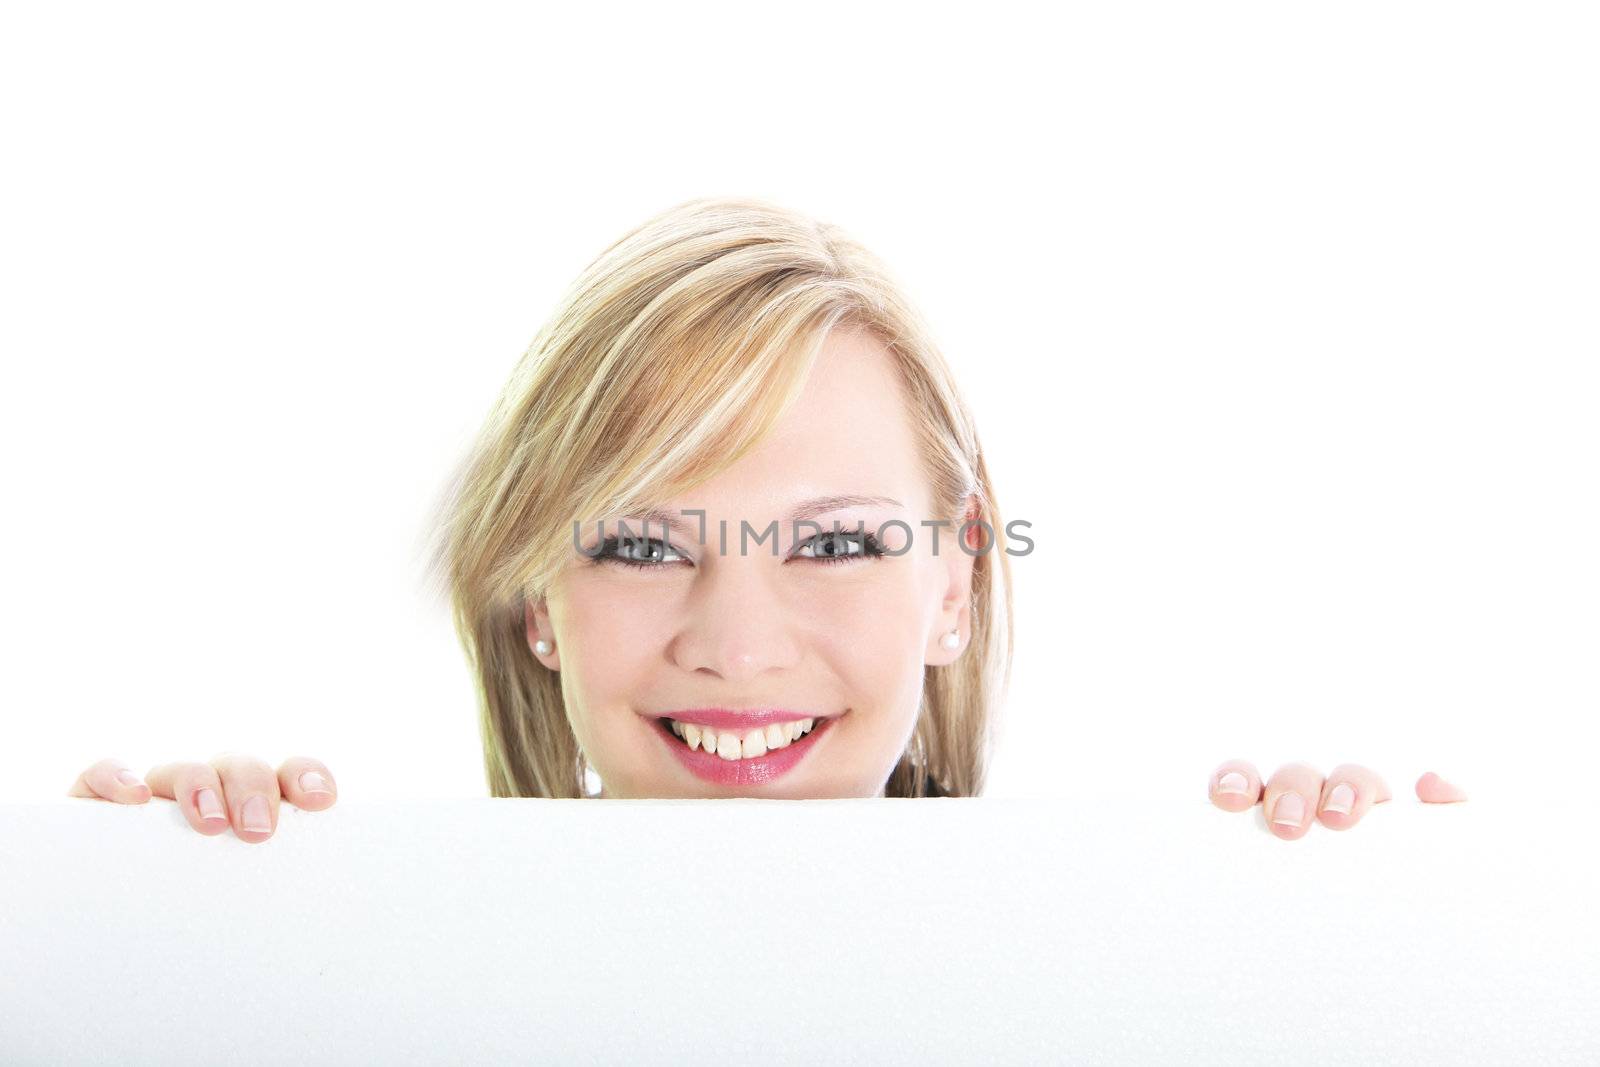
734	745
732	762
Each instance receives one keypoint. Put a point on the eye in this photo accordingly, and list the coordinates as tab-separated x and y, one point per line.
842	547
650	553
642	552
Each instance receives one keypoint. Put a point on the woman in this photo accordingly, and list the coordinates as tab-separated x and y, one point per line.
633	579
735	368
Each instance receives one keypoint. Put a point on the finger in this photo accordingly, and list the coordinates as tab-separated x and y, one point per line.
1431	789
250	795
1235	785
110	779
1348	794
197	791
1290	799
307	783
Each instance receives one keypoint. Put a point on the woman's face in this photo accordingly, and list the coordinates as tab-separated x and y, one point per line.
741	640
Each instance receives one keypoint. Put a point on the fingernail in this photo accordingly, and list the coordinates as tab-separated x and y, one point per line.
1290	810
1234	784
256	818
210	807
312	782
1341	800
128	778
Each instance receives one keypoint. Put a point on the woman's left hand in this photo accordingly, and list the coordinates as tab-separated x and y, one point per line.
1297	794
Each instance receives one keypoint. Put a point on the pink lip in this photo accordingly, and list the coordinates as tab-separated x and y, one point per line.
742	772
726	719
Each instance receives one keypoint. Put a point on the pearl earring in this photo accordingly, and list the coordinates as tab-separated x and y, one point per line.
951	640
542	647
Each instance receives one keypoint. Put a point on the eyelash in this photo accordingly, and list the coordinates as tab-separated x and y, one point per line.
871	549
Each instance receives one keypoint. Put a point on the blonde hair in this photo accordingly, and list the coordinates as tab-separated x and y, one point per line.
672	355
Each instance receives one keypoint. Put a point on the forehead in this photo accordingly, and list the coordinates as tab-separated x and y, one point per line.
849	431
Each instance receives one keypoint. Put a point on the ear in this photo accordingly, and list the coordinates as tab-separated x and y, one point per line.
536	623
954	566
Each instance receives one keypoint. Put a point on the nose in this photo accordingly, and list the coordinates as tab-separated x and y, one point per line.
737	626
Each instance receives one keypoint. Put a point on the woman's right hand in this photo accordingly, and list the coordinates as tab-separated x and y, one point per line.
231	790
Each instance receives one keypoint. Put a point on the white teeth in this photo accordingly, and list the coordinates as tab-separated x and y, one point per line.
731	745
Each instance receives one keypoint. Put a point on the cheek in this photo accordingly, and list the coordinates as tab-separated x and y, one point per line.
610	636
872	634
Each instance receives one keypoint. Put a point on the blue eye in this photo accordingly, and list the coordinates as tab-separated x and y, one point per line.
845	547
641	552
649	553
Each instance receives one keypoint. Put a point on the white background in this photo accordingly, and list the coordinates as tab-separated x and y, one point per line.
1279	322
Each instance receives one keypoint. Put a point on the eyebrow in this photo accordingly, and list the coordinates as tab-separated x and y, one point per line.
823	504
806	509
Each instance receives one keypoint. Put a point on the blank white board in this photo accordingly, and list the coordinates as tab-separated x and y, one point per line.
955	931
